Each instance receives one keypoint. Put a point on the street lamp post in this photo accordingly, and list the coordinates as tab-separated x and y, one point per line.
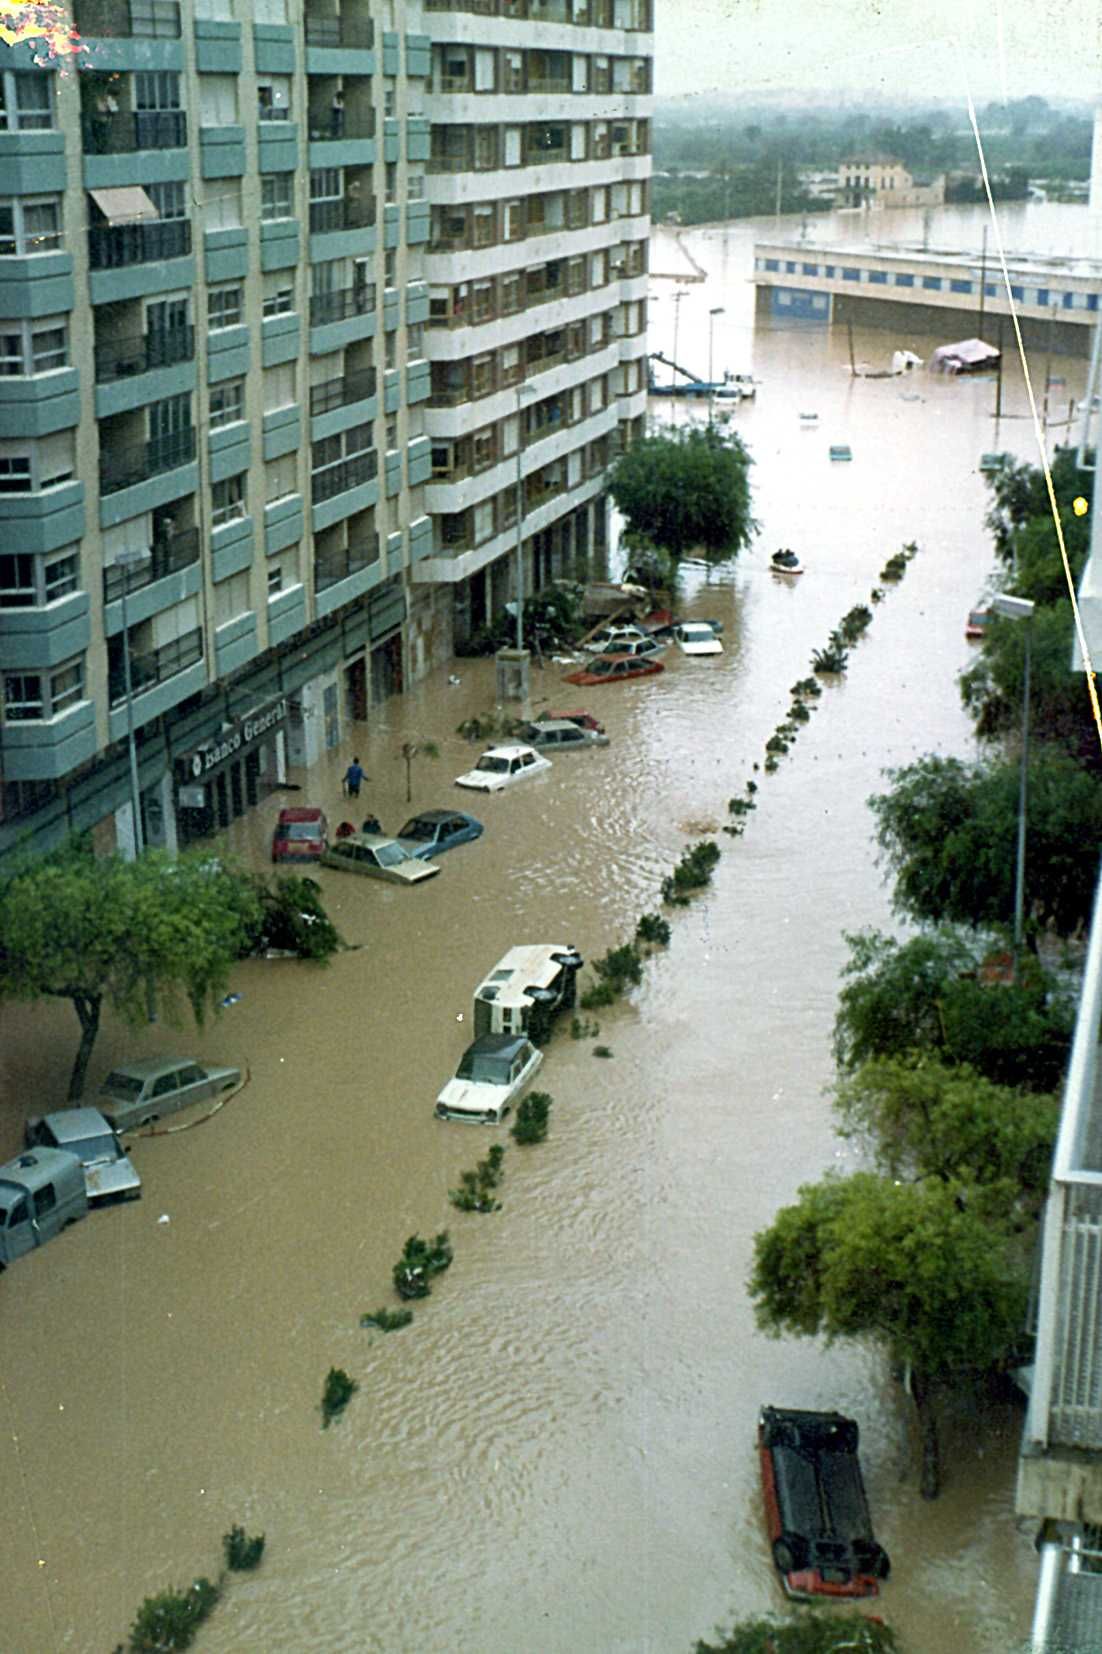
128	561
1020	608
512	664
717	310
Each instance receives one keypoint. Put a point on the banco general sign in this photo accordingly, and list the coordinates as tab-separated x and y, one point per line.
245	734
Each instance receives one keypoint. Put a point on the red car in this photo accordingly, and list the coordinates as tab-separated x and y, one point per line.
615	669
977	623
584	720
301	834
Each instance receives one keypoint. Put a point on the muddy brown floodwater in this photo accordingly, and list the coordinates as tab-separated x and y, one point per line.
558	1454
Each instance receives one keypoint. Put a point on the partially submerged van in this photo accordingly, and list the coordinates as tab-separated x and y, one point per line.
40	1192
525	990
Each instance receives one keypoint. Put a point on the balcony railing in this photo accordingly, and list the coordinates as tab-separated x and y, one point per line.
180	551
340	31
140	19
124	133
338	393
331	125
111	246
121	358
153	668
331	567
338	306
346	474
341	214
127	466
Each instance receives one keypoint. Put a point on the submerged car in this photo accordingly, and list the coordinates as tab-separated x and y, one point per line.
638	647
501	766
614	669
526	988
696	637
140	1092
433	831
584	720
562	734
491	1074
378	857
625	632
301	834
815	1505
108	1174
977	623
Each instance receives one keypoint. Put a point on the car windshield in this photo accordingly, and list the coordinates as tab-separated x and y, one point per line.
92	1149
497	766
300	829
697	634
487	1067
389	855
420	829
603	667
123	1085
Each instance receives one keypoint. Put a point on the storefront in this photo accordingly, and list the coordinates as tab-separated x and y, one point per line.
227	774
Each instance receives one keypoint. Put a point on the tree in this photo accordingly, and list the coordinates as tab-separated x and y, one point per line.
919	1269
811	1633
412	750
1021	496
948	831
928	994
1060	710
686	491
100	931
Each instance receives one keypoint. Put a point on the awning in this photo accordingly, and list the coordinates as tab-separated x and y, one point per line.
126	205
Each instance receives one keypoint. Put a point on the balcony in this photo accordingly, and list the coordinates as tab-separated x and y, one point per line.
336	125
129	466
128	19
339	306
120	358
148	670
340	31
124	133
338	393
331	567
167	557
346	474
341	214
113	246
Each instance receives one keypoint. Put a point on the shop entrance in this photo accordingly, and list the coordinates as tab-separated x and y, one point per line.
386	668
355	689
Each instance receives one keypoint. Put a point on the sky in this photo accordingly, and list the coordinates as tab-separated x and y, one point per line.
896	48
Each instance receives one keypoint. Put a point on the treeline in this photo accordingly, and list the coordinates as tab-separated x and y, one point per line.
732	191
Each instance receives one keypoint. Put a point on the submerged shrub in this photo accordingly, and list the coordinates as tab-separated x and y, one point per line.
653	928
387	1320
532	1120
170	1619
475	1192
338	1392
421	1260
241	1551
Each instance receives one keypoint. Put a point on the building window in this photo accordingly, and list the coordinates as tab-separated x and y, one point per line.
275	580
37	463
231	598
227	500
958	286
275	197
903	280
415	186
326	184
273	98
28	582
280	478
40	695
157	89
878	277
33	347
391	182
279	387
222	207
29	224
279	293
25	101
227	403
932	284
169	199
218	100
223	307
414	341
850	274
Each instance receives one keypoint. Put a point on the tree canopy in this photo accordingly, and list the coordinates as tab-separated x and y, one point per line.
948	832
809	1633
688	491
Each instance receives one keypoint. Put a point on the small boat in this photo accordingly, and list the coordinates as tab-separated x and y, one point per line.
785	562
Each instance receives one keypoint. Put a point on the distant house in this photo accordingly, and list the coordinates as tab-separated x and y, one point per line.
879	181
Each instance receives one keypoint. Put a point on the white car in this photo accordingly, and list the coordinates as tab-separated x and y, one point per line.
491	1074
500	766
695	637
612	638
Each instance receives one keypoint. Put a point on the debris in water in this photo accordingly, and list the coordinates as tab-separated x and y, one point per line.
164	1218
231	999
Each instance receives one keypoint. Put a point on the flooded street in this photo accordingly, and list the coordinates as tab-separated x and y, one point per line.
558	1455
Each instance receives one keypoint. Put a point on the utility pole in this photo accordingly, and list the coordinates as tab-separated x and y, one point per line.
677	298
999	380
983	278
1048	369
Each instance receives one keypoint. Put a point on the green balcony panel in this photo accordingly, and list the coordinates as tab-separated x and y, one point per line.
35	407
342	152
32	638
392	308
391	54
279	244
217	47
221	151
392	474
227	354
394	551
392	390
158	699
225	254
417	222
339	60
274	48
144	166
48	750
284	523
418	55
229	450
282	431
418	382
392	226
144	496
328	512
420	539
277	146
231	548
419	460
122	394
138	281
279	336
335	335
43	522
116	52
32	163
346	590
286	615
40	284
392	143
343	418
235	644
418	138
387	608
328	244
417	302
153	599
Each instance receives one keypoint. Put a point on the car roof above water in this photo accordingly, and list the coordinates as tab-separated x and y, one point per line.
72	1125
495	1045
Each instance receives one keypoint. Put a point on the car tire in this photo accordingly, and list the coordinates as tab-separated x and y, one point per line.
788	1553
879	1563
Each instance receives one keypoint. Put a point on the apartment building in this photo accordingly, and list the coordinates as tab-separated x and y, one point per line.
303	320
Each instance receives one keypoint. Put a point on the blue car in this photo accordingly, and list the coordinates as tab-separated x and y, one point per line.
434	831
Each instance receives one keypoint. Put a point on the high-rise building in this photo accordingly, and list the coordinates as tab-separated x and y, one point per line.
305	323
